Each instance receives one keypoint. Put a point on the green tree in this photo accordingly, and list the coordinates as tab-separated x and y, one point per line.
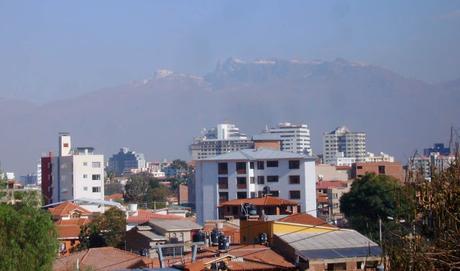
28	239
371	198
107	229
137	187
113	188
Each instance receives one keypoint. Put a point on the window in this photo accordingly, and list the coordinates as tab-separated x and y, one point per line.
251	165
241	183
294	179
85	164
272	163
223	168
242	195
223	183
253	194
223	196
294	164
260	194
241	167
85	176
260	164
294	194
275	193
252	180
85	188
260	179
96	189
96	177
360	167
96	164
381	169
272	179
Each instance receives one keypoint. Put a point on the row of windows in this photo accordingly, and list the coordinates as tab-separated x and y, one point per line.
293	194
241	182
93	164
241	166
94	177
95	189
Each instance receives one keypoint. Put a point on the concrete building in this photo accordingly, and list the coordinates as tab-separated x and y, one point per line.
426	166
126	161
393	169
342	140
437	148
245	174
226	137
76	173
294	137
381	157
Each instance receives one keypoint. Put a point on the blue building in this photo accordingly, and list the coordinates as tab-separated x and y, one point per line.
437	147
125	160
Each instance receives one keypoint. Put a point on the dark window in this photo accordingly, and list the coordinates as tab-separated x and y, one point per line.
235	210
96	177
294	179
241	167
260	179
294	164
360	167
272	179
251	165
275	193
253	194
223	168
260	194
96	189
252	180
260	164
223	196
241	183
295	194
242	195
223	183
381	169
272	163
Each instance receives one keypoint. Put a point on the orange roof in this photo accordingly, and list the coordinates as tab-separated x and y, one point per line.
146	215
255	257
305	219
342	167
66	208
78	221
117	196
264	201
330	184
104	258
69	231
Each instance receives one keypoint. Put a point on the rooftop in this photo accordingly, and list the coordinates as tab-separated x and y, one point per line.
258	154
266	136
263	201
330	184
170	225
67	208
147	215
305	219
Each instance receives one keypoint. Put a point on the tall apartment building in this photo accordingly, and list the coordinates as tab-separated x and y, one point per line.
294	137
125	161
245	173
426	166
226	137
342	140
76	173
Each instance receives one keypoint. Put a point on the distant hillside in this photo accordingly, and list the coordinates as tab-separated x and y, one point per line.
160	115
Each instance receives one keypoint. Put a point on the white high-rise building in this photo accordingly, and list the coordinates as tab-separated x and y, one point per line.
226	137
245	174
294	137
342	143
75	174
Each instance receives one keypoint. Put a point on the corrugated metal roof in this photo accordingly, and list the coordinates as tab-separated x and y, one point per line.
258	154
175	225
341	253
334	239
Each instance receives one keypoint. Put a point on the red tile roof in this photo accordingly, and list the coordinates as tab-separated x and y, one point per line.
104	259
67	208
264	201
117	196
146	215
305	219
69	228
330	184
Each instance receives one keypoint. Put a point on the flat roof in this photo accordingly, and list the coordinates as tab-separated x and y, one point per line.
258	154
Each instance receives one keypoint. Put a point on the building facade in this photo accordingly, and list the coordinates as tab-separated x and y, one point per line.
294	137
393	169
343	143
247	173
126	161
76	173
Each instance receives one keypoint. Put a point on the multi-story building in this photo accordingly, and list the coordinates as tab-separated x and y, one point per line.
125	161
382	157
393	169
437	148
294	137
342	140
224	138
253	173
75	174
426	166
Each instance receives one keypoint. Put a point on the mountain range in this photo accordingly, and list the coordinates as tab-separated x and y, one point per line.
159	116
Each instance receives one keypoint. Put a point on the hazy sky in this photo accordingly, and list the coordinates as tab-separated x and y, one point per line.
53	49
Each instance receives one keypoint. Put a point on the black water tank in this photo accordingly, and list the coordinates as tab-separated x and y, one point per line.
263	238
224	243
199	237
215	236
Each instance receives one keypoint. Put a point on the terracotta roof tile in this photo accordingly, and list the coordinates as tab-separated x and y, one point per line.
104	259
305	219
117	196
264	201
330	184
146	215
66	208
